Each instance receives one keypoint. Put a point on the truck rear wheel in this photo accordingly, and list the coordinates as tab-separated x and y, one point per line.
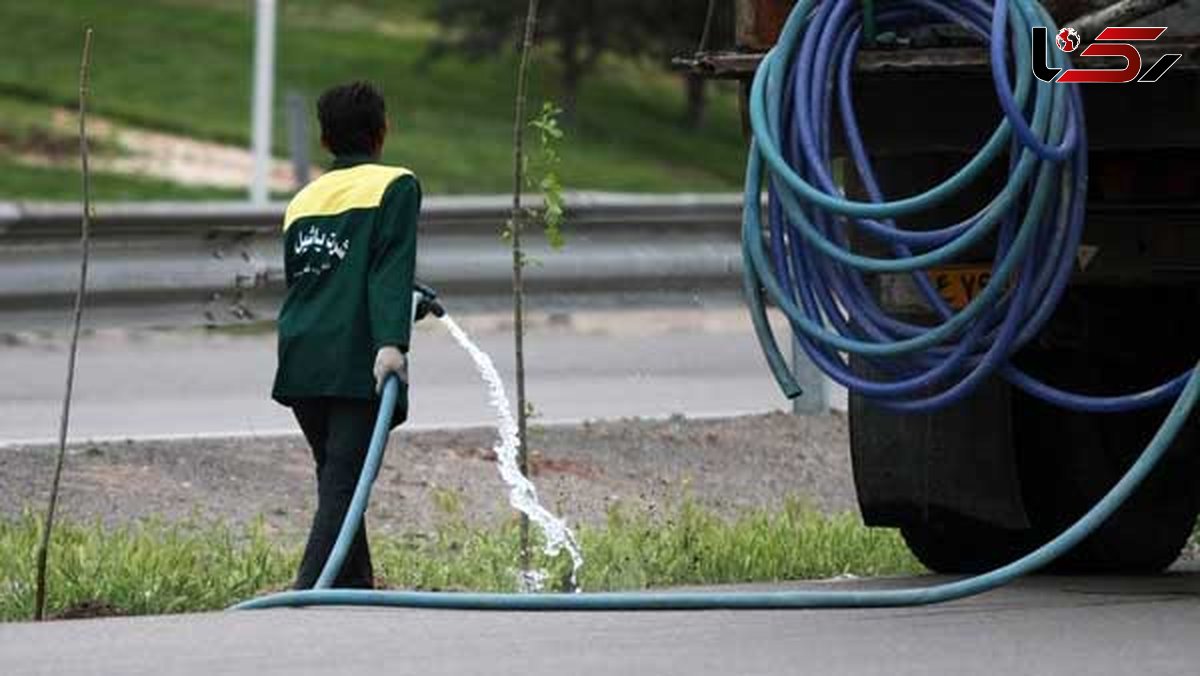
1068	461
948	543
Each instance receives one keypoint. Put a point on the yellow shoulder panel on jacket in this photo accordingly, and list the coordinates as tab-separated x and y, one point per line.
340	190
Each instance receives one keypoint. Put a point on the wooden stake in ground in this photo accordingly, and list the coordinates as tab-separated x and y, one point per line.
39	608
516	224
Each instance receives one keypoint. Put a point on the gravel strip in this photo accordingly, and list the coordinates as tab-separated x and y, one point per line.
726	464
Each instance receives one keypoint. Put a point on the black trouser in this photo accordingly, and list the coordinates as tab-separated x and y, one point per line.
339	431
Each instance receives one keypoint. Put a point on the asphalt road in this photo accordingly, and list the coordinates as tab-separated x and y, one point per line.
591	365
1049	625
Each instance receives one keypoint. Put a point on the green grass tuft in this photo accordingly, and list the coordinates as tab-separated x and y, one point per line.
156	567
149	568
19	182
696	546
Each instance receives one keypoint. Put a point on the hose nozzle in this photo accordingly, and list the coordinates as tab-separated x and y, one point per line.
426	302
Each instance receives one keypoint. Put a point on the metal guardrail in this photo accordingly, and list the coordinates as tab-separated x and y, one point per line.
221	263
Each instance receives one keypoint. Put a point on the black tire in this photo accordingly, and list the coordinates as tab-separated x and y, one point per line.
1103	341
1068	461
952	544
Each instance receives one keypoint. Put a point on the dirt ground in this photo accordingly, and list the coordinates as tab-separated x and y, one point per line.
726	464
124	149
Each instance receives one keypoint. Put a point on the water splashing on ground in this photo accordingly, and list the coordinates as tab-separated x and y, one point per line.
522	494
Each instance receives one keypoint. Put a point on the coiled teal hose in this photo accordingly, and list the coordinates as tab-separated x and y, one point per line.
804	263
1055	133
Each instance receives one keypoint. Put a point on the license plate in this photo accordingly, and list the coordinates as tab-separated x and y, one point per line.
958	284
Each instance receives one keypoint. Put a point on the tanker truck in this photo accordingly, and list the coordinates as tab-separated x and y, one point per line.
977	483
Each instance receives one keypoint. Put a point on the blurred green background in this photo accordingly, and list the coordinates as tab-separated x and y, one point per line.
182	70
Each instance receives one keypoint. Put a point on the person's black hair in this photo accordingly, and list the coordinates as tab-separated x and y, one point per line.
353	118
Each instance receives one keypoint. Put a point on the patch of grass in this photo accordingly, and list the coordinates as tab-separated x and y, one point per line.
160	568
696	546
150	568
184	66
19	181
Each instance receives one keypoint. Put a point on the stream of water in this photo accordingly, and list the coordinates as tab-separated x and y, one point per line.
522	494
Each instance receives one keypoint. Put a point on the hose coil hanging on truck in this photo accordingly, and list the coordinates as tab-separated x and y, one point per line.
804	263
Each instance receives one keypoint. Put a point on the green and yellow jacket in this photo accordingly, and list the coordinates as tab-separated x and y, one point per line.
350	246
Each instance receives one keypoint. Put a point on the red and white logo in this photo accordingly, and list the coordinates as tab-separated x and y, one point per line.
1067	40
1111	42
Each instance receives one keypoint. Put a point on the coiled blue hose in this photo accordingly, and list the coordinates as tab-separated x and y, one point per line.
804	264
811	273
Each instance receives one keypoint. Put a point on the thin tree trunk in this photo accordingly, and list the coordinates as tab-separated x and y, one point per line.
39	607
517	223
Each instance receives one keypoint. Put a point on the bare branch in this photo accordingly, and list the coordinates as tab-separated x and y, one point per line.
39	609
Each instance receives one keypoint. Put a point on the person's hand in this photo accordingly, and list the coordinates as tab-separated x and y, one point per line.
389	359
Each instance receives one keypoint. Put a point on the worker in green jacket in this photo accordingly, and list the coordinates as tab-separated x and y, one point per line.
350	245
